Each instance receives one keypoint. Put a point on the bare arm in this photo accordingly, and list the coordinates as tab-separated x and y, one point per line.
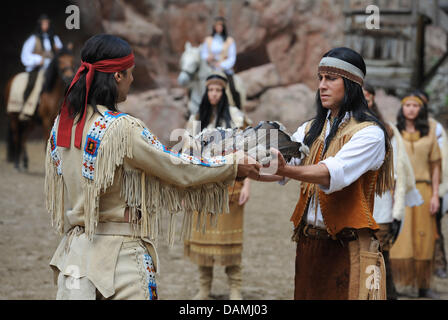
435	202
317	174
269	178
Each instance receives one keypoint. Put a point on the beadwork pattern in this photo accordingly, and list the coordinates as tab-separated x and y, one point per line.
203	161
54	152
93	141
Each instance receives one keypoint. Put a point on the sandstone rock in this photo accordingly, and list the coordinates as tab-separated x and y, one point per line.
91	16
279	43
161	110
278	15
187	23
291	34
297	53
112	10
388	106
251	105
259	79
291	105
135	29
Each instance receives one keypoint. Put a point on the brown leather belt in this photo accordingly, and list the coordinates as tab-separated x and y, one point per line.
314	233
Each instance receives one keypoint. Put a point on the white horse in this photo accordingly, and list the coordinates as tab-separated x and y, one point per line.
194	72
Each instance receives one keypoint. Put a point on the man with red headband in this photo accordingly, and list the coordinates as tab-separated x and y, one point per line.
118	179
36	55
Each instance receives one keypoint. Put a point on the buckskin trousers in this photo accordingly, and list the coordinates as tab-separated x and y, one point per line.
134	278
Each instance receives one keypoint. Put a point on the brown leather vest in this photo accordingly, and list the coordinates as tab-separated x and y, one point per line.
39	48
351	207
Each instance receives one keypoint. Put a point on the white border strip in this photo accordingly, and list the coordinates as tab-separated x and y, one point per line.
341	64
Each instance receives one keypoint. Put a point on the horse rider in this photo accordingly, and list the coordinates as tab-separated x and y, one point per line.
25	87
38	50
219	50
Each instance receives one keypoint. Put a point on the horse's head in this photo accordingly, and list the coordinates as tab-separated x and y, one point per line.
189	64
61	67
66	66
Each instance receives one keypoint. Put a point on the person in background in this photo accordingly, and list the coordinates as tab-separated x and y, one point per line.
413	253
440	263
389	209
223	244
219	50
38	50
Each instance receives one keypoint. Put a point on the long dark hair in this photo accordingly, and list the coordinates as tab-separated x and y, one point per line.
376	111
39	33
206	110
421	123
353	101
424	97
224	28
103	90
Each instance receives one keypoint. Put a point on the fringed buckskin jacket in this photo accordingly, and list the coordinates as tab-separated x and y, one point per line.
123	167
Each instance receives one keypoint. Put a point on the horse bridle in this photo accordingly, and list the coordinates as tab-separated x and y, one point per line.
191	74
62	72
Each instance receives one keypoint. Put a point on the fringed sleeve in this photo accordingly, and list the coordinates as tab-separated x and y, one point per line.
159	180
54	185
443	188
405	193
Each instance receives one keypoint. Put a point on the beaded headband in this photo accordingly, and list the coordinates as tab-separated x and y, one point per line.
341	68
412	98
216	79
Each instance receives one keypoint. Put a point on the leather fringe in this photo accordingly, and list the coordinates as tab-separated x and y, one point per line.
54	189
219	258
411	272
147	197
155	198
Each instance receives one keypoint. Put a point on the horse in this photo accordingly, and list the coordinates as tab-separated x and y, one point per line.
194	72
57	77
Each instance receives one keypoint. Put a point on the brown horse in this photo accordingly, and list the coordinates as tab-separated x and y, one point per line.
57	77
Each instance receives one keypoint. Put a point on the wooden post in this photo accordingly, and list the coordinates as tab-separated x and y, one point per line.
436	12
413	52
419	69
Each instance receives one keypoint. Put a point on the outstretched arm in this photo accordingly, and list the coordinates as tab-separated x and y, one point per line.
317	174
151	156
365	151
435	201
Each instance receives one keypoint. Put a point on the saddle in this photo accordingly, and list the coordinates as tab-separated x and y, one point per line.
25	93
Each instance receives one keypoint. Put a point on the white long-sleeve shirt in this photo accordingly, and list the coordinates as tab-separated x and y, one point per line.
364	152
382	210
31	60
216	48
439	130
439	135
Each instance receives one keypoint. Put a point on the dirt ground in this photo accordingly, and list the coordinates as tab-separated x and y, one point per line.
27	242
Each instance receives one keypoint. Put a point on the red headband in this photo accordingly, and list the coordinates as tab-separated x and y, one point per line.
65	121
